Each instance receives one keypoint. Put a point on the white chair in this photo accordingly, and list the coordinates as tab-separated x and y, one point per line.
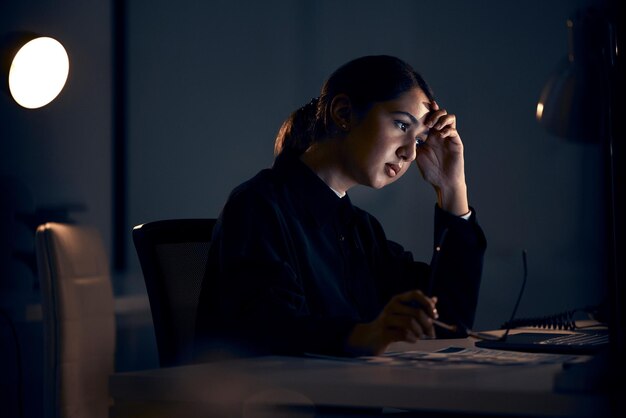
78	319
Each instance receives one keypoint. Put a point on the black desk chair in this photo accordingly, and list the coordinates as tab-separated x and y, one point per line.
173	256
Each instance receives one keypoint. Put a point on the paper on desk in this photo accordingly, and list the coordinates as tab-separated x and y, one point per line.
470	356
456	357
463	357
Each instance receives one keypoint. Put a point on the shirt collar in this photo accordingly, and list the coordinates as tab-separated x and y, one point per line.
321	201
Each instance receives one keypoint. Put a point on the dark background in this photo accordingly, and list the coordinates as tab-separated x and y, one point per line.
169	105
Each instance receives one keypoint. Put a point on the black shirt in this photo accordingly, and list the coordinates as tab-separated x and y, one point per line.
293	267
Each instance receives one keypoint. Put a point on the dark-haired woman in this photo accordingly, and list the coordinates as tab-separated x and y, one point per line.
294	267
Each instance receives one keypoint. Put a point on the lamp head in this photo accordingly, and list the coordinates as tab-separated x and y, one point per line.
574	101
35	69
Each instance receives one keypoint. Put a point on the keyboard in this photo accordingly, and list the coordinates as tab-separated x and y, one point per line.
580	342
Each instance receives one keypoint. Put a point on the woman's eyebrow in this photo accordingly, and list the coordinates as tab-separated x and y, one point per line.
410	116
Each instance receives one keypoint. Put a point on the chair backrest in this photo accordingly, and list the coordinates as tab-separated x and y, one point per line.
173	256
78	319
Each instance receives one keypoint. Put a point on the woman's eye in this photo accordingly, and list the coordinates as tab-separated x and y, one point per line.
419	141
403	126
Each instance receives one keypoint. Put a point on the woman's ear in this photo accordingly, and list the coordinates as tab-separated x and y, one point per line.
341	112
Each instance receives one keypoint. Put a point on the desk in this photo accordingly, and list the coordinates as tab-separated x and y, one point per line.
252	387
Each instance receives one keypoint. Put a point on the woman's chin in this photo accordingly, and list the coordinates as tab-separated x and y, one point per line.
380	183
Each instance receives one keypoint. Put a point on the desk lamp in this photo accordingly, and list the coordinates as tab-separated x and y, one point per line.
578	103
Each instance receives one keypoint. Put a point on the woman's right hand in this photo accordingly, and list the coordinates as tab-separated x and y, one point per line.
406	317
440	160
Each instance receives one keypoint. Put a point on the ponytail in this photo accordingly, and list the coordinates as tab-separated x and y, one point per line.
366	80
297	132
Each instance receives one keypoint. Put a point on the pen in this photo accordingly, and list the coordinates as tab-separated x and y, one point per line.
440	324
469	332
462	330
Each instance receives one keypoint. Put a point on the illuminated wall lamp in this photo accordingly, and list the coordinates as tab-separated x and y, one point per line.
38	72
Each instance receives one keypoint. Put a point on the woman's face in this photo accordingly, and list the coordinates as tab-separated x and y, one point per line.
380	147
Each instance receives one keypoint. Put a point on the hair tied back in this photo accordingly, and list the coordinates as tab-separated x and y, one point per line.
313	103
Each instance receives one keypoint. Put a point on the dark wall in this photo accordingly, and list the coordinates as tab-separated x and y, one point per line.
59	156
54	162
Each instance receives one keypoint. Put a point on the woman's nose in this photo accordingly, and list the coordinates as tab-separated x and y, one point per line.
407	152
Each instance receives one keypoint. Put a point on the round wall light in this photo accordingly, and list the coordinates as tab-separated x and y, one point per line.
38	72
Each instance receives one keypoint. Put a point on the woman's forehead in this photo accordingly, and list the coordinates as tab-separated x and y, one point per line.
414	103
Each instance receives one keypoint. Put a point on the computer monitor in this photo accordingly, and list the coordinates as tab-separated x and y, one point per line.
585	100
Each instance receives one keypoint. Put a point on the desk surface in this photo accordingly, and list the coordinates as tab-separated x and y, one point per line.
230	388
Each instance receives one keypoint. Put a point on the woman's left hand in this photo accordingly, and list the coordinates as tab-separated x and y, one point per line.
440	160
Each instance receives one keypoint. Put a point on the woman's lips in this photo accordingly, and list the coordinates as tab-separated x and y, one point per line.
392	169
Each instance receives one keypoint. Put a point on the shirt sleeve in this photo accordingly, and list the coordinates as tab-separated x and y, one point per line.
458	267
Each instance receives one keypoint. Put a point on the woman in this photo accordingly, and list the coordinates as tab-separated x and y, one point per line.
294	267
